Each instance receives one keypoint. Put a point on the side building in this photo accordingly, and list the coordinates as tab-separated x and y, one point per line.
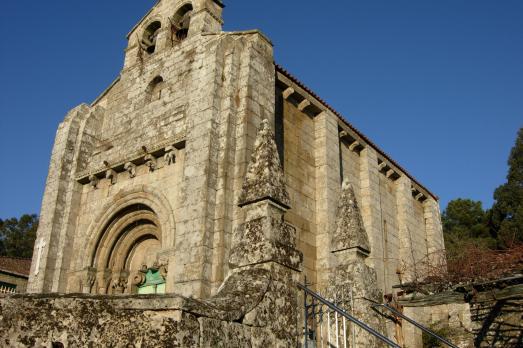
14	274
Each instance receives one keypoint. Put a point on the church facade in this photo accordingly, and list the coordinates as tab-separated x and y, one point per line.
146	189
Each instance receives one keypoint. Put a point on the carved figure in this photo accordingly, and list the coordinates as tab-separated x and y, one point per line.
130	167
111	176
170	156
150	162
93	181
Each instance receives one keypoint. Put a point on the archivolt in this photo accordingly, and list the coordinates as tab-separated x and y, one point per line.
118	223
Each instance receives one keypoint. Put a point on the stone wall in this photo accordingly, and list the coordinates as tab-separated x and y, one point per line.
489	318
139	321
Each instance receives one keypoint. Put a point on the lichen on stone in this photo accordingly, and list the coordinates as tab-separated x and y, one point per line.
264	178
350	232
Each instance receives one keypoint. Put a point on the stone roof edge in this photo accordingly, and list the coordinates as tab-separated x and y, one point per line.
16	274
104	93
142	19
13	272
242	32
287	74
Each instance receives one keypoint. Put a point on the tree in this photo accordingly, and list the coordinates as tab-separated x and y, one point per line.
465	222
506	218
17	236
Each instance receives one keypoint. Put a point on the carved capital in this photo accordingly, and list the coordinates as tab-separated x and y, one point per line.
119	283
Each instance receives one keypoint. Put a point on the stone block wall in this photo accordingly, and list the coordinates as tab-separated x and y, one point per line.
402	220
491	317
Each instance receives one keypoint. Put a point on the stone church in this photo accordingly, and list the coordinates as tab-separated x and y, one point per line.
208	180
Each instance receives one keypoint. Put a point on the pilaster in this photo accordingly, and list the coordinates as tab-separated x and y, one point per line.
57	197
371	207
327	161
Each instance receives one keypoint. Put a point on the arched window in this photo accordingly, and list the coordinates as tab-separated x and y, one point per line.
180	23
149	37
155	89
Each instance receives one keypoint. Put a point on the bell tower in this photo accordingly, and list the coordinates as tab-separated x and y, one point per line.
206	16
169	23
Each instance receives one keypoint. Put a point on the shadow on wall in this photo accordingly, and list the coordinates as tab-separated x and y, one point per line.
498	323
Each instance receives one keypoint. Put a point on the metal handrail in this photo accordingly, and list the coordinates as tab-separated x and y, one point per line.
415	323
349	317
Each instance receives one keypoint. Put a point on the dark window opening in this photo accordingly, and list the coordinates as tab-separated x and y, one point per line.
180	23
155	90
150	36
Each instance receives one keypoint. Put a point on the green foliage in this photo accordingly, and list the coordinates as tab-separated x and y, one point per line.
432	342
506	218
465	222
17	236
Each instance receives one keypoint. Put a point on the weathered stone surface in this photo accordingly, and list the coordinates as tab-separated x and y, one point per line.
354	284
241	292
350	232
264	178
38	321
355	288
256	248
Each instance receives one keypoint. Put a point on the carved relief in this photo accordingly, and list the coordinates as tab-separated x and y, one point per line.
130	167
93	181
104	278
170	156
110	174
150	162
88	280
119	283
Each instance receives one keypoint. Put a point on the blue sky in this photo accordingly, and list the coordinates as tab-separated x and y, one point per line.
437	84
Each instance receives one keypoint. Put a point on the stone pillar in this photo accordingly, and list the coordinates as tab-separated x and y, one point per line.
327	161
57	196
206	17
433	227
353	280
371	207
406	229
265	241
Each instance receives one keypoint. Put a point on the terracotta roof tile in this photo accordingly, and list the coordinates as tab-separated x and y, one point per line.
15	265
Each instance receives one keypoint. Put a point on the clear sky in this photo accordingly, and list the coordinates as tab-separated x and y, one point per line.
438	84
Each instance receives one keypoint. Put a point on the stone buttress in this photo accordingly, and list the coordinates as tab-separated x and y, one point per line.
353	283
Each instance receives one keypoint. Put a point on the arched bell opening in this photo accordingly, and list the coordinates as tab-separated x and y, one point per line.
150	36
181	22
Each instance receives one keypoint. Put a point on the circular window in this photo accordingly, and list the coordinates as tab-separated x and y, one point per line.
149	37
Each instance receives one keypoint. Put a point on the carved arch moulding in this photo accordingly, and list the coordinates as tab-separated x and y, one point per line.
127	235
